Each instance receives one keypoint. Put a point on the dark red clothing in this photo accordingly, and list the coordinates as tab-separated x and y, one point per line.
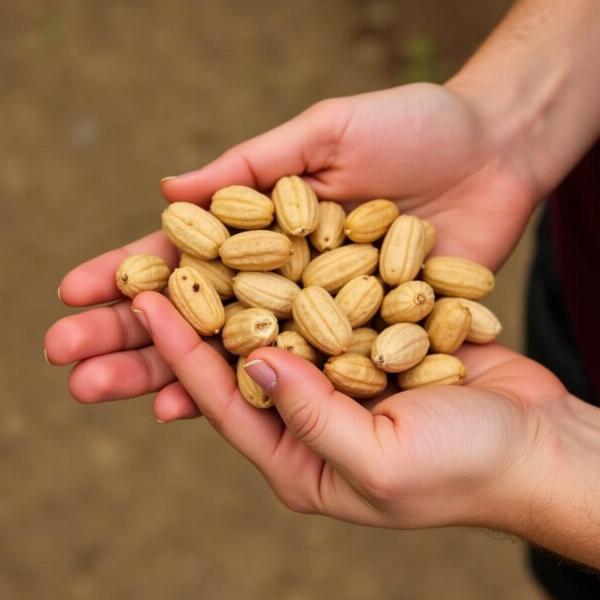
575	227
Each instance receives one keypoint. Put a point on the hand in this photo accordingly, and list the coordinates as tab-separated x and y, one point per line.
421	144
441	455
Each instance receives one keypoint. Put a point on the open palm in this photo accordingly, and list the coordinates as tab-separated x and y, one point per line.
431	456
420	144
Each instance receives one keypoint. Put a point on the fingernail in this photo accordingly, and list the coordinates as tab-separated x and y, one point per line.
262	373
160	421
58	294
46	356
164	179
142	318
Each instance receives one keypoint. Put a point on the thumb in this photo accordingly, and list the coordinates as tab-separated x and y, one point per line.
331	423
301	145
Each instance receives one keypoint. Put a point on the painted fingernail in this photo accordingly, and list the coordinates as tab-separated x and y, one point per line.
165	179
262	373
141	318
58	294
46	356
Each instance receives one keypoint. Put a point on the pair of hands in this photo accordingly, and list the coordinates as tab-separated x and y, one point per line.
435	456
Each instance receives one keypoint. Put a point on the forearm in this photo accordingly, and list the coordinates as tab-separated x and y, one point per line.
536	84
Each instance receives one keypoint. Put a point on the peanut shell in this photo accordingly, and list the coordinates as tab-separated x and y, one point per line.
248	330
447	326
439	369
362	341
329	233
242	207
400	347
369	221
321	321
296	206
408	303
293	341
356	375
215	271
485	326
266	290
194	230
300	257
142	273
259	250
360	299
197	300
453	276
250	390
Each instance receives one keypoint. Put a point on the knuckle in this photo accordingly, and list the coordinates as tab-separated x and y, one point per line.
307	421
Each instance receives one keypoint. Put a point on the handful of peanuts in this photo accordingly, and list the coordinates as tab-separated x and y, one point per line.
352	293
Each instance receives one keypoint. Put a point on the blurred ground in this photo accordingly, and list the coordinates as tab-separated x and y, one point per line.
100	100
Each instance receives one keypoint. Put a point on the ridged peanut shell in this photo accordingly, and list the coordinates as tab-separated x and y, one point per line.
460	277
360	299
403	250
321	321
430	236
296	206
400	347
440	369
215	271
250	390
369	221
337	267
197	300
485	326
142	273
194	230
329	233
248	330
300	257
260	250
294	342
447	326
355	375
242	207
362	341
266	290
408	303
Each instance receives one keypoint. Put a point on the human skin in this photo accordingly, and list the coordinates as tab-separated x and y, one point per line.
511	450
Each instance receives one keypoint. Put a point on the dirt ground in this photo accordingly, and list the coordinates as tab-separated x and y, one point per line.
99	100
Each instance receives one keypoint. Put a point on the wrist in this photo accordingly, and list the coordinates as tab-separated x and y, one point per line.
554	497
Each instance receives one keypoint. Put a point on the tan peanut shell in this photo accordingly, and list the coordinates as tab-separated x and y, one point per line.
362	341
329	233
403	250
292	341
296	206
400	347
233	308
142	273
453	276
194	230
321	321
356	375
408	303
250	329
337	267
447	326
266	290
260	250
369	221
430	236
215	271
242	207
300	257
197	300
360	299
485	326
441	369
250	390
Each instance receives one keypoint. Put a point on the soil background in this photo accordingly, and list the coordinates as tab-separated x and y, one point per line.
99	100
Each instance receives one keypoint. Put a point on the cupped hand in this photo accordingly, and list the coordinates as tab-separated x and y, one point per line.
423	145
439	455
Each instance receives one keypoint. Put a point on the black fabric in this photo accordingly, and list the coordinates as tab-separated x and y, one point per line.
550	341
